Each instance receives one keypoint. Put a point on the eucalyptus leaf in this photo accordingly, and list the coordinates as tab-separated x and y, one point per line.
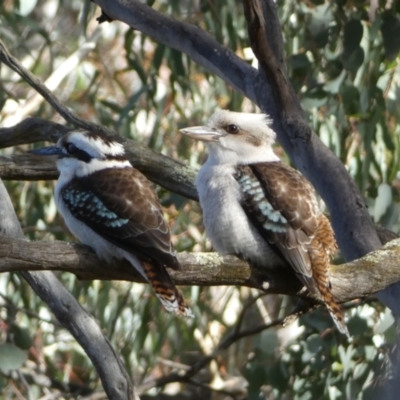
12	357
383	201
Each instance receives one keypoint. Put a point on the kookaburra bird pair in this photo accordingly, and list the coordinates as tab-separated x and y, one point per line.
254	206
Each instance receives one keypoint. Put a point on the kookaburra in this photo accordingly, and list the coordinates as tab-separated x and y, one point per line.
259	208
111	207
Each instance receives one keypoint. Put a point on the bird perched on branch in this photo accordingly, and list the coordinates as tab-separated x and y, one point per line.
260	209
110	206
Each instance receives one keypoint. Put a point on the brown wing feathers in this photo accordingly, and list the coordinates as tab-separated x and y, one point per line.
288	217
139	225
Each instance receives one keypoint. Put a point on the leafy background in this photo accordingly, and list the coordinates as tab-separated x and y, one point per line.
344	64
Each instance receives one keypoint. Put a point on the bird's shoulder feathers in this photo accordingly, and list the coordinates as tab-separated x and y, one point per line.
282	205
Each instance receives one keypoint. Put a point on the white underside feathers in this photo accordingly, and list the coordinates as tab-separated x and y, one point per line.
226	223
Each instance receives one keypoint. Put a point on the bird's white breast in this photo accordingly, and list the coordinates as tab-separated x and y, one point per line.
226	223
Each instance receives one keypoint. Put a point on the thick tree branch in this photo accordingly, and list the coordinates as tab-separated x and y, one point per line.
72	316
350	218
359	278
31	130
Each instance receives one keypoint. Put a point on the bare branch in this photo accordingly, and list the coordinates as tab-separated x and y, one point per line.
359	278
26	167
189	39
31	130
187	374
39	86
116	381
72	316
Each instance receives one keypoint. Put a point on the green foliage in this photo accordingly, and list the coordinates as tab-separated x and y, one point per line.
12	357
343	62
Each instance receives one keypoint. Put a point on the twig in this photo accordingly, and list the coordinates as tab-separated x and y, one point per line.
185	376
36	84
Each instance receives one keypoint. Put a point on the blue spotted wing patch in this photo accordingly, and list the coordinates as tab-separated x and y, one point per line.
258	204
84	205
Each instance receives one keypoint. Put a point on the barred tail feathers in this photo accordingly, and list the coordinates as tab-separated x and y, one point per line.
322	247
337	317
333	308
168	294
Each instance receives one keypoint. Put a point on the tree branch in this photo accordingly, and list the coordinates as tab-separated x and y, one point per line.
359	278
72	316
200	46
165	171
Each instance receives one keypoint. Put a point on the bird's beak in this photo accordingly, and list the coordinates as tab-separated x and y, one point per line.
48	151
203	133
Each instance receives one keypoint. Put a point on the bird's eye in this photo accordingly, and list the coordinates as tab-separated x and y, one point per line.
232	128
71	148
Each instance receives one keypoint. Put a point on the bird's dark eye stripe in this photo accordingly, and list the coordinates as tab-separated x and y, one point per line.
78	153
83	156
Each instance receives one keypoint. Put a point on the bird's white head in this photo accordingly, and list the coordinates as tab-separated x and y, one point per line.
80	153
236	138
